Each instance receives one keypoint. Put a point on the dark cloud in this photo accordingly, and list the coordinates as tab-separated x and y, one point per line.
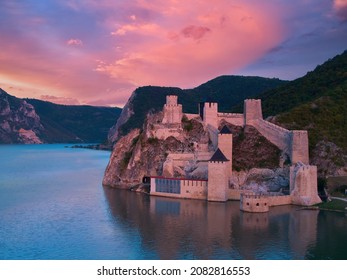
195	32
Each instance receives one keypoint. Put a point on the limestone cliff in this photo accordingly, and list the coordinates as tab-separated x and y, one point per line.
114	132
140	153
19	122
185	151
36	121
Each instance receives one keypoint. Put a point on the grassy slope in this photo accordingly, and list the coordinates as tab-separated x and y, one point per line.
315	102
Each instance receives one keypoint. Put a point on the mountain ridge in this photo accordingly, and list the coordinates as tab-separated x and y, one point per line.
231	90
54	123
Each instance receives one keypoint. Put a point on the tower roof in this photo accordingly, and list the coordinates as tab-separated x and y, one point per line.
225	130
218	156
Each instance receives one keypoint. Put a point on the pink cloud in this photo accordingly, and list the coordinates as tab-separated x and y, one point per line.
224	40
60	99
103	49
340	7
74	42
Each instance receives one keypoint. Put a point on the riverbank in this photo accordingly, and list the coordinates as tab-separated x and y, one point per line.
335	204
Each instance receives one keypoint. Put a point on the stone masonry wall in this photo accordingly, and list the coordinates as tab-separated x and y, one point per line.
193	189
235	119
277	135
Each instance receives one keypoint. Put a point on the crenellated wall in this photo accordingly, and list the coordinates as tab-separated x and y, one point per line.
179	188
233	118
191	116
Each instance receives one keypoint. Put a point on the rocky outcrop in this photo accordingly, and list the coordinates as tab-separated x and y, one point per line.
114	133
330	159
19	122
262	180
186	155
139	154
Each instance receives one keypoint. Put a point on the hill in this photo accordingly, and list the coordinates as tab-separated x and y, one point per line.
36	121
226	90
317	103
74	123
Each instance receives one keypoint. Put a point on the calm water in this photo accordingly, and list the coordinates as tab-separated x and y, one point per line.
52	206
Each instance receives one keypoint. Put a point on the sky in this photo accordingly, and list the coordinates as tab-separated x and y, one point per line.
97	52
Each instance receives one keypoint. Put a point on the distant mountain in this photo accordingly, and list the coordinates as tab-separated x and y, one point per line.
21	120
226	90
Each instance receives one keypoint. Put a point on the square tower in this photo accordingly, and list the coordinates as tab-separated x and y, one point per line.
299	146
209	113
218	178
252	110
172	110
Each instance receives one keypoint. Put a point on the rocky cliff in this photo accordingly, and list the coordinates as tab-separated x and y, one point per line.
19	122
37	121
140	153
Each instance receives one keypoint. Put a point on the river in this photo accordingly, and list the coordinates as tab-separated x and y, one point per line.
53	206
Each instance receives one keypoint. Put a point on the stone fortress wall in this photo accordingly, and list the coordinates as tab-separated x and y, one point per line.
179	187
294	143
303	177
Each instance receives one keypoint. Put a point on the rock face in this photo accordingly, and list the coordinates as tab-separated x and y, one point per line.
262	179
330	159
139	154
127	112
19	122
186	155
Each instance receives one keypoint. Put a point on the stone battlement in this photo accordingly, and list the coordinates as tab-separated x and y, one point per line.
233	118
254	203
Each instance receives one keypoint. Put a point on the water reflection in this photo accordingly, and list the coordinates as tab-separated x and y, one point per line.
193	229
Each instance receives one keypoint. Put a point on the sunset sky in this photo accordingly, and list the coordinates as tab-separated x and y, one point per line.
98	51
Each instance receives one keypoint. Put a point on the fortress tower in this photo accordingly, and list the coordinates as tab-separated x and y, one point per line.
209	113
172	110
252	110
303	184
218	178
299	146
225	144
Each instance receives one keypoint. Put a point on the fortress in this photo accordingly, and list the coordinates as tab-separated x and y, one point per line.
216	157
